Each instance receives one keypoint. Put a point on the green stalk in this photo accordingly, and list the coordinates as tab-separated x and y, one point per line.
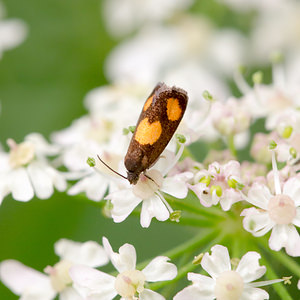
188	267
231	146
271	274
279	288
196	209
285	260
188	246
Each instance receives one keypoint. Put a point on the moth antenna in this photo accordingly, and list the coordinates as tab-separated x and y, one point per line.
106	165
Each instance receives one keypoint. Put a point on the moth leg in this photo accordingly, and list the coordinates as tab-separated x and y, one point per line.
150	178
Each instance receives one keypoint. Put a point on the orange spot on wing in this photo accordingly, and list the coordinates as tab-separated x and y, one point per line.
148	103
174	110
148	133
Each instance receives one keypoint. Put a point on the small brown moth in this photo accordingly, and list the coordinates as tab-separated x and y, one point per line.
158	121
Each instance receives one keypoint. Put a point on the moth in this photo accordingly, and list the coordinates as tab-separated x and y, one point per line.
157	123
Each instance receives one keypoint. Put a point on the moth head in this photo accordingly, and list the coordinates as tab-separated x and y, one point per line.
133	177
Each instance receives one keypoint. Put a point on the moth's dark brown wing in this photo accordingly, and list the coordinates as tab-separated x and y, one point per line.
158	121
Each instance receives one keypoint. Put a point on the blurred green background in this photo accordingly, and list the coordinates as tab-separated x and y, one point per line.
42	84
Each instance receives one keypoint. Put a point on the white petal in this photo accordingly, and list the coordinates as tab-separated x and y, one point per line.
89	281
249	267
20	185
193	292
296	220
231	196
41	181
89	253
4	187
58	178
251	293
12	33
20	279
202	288
94	186
285	236
153	207
217	262
257	222
69	293
175	187
293	243
124	203
292	189
259	195
232	168
150	295
159	269
202	192
124	260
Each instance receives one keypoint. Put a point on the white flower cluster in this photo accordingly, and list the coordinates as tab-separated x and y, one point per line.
74	277
185	50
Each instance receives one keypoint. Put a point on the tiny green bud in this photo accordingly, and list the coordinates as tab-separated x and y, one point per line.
257	77
242	69
216	188
272	145
106	210
234	262
197	259
205	179
240	186
252	224
91	161
287	131
175	216
232	183
180	138
293	152
207	96
276	57
125	131
131	129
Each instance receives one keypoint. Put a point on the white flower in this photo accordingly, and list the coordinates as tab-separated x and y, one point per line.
279	212
26	172
230	117
96	182
129	283
148	191
220	183
226	283
123	16
33	285
12	32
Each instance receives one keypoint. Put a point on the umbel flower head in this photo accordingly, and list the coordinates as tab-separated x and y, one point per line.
129	283
31	284
26	171
226	283
279	212
148	190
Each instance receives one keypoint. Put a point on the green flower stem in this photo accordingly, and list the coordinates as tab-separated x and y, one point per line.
280	289
285	260
196	222
189	266
181	273
184	204
188	246
231	146
288	262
